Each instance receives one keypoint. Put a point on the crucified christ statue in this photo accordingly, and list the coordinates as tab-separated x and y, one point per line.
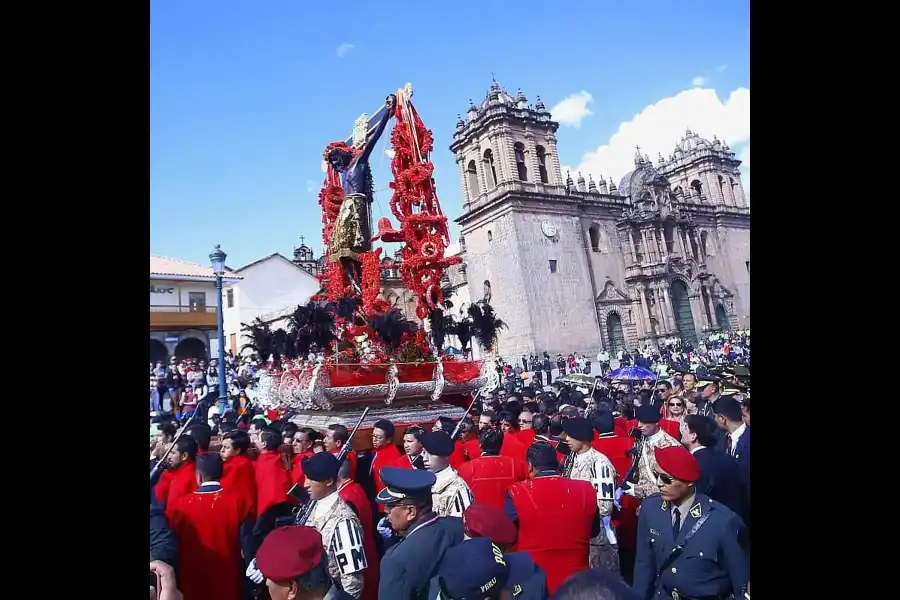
353	227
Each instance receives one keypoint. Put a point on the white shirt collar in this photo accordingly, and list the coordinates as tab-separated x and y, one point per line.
210	483
325	504
694	450
736	435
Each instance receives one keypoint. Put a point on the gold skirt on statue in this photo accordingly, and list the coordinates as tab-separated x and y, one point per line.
347	239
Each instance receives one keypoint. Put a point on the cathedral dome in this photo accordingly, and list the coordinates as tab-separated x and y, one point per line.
643	176
691	142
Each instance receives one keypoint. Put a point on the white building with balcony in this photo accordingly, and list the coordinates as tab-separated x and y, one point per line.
270	285
183	308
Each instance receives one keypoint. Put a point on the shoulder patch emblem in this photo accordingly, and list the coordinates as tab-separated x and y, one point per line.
696	511
665	505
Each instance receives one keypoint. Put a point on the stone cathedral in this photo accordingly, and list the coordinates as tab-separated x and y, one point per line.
579	266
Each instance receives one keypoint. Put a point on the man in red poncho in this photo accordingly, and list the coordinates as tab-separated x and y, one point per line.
180	479
386	453
238	476
301	443
213	527
272	480
335	438
490	475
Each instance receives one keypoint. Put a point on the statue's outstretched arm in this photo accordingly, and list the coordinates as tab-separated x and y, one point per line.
391	104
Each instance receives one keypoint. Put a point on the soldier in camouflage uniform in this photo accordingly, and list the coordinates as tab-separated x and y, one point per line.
341	531
451	495
653	437
595	468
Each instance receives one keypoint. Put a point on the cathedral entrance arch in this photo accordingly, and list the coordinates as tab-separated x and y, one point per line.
190	348
681	306
615	333
158	352
722	318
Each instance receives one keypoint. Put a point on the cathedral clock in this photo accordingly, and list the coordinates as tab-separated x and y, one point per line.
548	228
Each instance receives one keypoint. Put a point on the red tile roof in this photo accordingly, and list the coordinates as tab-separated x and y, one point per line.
163	266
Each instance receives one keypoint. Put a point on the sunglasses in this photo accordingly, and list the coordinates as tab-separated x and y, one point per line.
674	404
666	479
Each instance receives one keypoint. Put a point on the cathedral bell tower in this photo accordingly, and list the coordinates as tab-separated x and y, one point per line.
704	172
520	227
503	143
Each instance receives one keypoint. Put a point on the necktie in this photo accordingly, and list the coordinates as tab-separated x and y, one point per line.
728	443
676	523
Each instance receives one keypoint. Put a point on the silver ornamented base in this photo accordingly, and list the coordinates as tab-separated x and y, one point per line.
320	420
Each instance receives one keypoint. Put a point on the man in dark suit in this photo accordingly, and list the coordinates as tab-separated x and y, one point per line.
719	477
688	545
737	436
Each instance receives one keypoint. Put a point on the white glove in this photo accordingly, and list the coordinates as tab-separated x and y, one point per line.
629	489
610	532
254	574
384	528
616	503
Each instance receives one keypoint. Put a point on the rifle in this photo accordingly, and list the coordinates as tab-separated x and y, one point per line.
635	453
468	410
304	513
155	472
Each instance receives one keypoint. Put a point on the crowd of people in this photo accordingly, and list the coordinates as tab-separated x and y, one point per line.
626	489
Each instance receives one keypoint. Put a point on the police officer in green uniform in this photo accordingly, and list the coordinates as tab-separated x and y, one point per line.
689	547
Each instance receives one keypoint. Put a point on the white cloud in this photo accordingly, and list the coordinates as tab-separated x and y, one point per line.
660	126
721	68
343	49
698	81
310	186
390	153
573	109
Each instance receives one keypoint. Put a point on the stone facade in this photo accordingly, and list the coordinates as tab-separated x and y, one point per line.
583	265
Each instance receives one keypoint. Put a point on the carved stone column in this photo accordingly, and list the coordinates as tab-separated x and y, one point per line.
633	247
500	153
673	324
555	170
464	185
479	166
678	233
648	326
532	159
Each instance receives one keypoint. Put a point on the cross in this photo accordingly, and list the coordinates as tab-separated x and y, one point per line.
637	149
301	240
493	78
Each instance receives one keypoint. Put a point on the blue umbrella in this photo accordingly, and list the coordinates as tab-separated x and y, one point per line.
632	373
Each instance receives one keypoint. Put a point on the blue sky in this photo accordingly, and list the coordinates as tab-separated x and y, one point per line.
245	95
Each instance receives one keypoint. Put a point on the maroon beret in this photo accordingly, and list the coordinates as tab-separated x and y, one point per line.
289	552
678	462
483	520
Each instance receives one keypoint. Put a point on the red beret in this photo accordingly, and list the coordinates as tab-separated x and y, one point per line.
483	520
678	462
289	552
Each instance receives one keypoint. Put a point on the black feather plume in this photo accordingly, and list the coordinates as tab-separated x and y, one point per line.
311	325
463	331
485	324
261	341
438	325
322	327
390	328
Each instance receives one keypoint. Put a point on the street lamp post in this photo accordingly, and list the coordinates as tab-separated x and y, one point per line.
217	258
